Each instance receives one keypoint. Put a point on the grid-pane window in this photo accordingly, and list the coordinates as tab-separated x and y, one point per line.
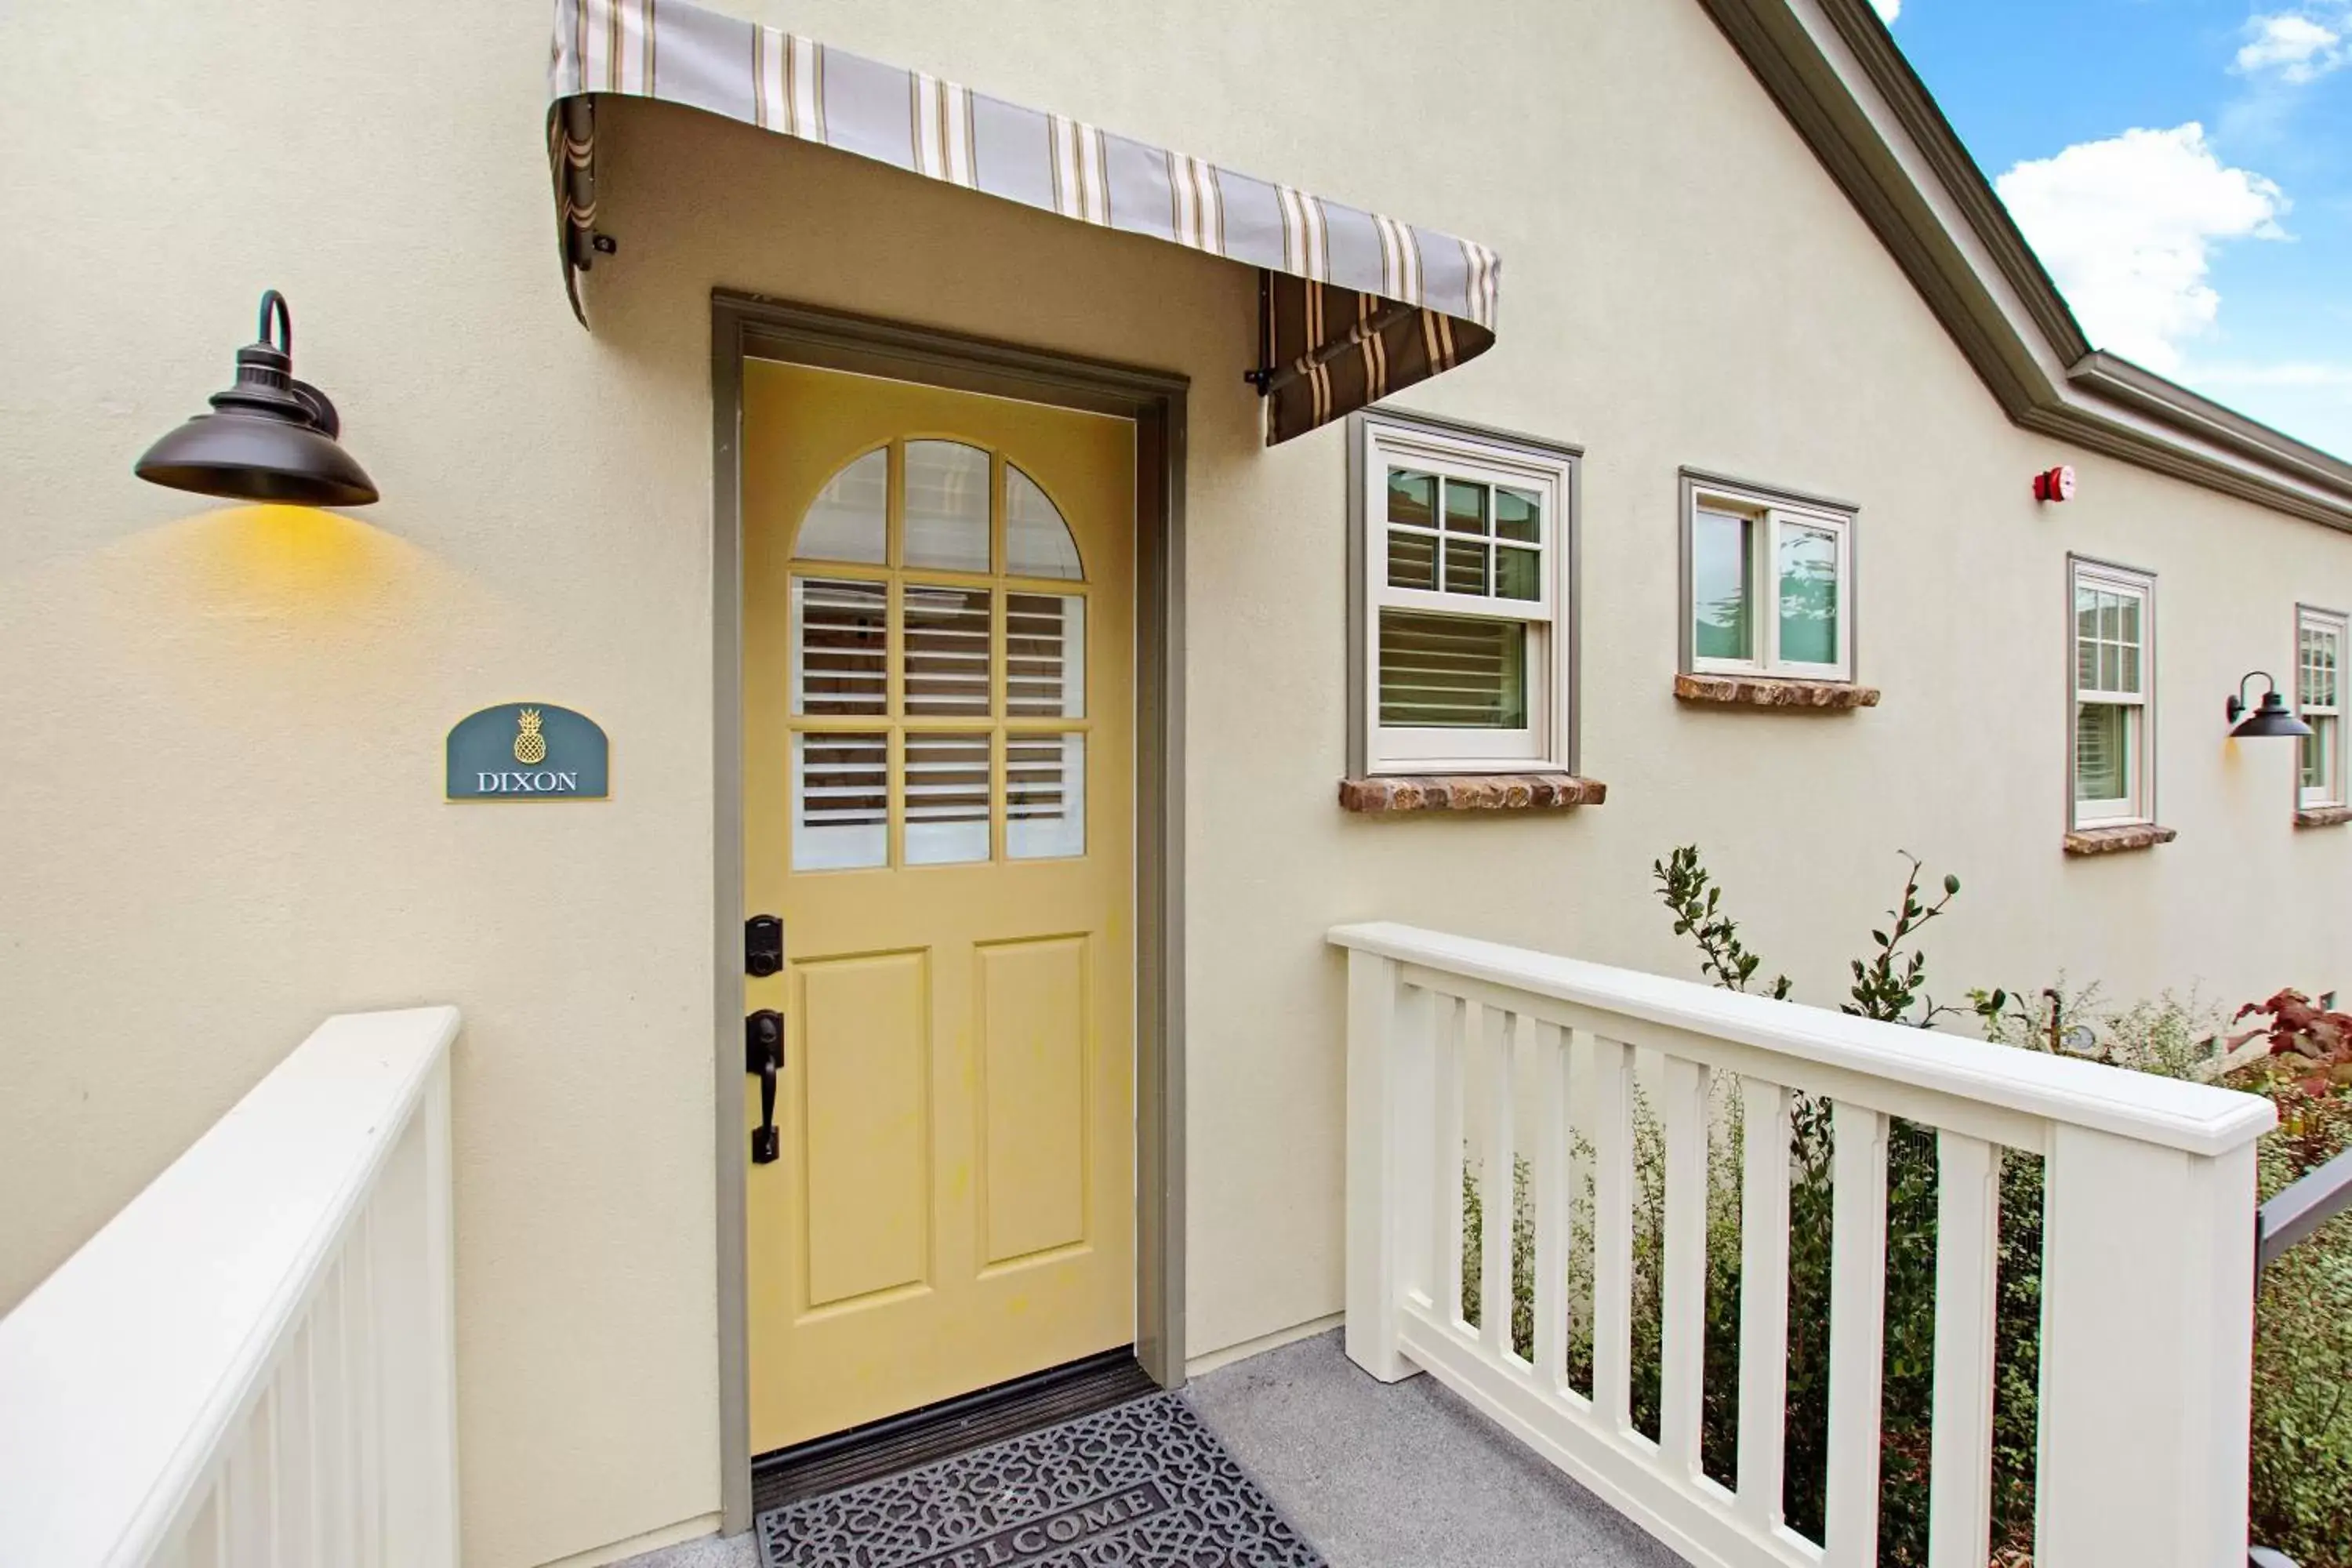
2112	638
1770	586
2318	698
1465	598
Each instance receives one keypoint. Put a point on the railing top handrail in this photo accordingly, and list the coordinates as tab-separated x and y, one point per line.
120	1372
2197	1118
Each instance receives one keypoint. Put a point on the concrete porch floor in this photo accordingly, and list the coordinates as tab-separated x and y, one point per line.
1375	1475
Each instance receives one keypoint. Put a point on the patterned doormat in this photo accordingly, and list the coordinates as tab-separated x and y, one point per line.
1142	1485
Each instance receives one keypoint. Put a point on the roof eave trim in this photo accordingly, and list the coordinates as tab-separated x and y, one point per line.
1842	83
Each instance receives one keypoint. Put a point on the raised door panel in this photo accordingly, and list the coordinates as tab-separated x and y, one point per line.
865	1102
1034	1098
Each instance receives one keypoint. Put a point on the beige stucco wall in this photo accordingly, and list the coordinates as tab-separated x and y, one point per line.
220	732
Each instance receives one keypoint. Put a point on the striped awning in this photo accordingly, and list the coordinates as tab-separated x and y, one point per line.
1356	305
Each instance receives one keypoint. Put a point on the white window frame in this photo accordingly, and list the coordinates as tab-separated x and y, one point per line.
1769	512
2336	623
2137	806
1546	743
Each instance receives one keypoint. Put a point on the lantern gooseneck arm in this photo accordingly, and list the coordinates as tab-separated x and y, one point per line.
2268	684
274	303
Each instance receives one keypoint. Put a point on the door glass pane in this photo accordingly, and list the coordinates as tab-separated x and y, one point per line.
1044	796
1412	560
946	799
1518	574
2102	751
840	645
1809	596
1045	655
841	801
1452	672
1466	506
1413	498
947	506
1037	542
1720	598
849	519
1465	567
947	649
1519	514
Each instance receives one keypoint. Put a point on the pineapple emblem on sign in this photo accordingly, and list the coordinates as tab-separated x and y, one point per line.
530	745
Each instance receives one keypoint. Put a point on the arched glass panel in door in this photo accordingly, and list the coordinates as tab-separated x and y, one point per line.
939	697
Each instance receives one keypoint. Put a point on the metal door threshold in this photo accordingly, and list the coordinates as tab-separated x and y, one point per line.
952	1426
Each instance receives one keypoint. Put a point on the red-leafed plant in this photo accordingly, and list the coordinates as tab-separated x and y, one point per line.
2312	1040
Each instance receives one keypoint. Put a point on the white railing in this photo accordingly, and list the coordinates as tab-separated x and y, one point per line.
254	1363
2148	1267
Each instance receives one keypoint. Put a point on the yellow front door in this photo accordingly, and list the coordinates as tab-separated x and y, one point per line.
939	802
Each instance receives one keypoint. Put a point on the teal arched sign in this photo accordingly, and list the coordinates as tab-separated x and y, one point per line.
529	750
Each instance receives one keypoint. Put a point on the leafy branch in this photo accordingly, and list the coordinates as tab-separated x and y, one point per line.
1694	900
1892	981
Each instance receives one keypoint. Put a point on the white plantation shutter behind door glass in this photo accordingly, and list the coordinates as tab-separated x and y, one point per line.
947	798
1045	655
840	646
947	659
841	801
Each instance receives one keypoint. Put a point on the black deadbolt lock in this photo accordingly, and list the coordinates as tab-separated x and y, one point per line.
764	946
763	1053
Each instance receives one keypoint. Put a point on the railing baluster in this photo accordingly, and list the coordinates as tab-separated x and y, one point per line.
1554	1199
1857	1335
1967	1249
1612	1233
1763	1300
1683	1334
1445	1274
1498	1035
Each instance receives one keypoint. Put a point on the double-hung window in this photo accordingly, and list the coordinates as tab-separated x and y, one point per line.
1463	608
2319	659
2114	642
1769	583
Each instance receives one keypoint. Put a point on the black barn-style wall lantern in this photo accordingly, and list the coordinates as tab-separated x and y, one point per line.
268	438
2270	719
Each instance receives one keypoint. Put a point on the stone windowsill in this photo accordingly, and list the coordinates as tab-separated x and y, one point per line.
1397	793
2114	840
1774	691
2323	816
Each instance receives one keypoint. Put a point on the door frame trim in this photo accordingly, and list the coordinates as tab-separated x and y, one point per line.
751	326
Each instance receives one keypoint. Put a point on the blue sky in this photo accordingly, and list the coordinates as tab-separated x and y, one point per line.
2184	168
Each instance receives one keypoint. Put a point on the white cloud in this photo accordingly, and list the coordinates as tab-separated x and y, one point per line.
2296	46
2127	227
1889	10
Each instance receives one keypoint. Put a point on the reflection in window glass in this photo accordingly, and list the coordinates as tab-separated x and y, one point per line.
1518	574
1413	498
1044	796
1466	506
1519	514
1809	596
849	519
841	801
1037	542
947	506
1465	565
1719	596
